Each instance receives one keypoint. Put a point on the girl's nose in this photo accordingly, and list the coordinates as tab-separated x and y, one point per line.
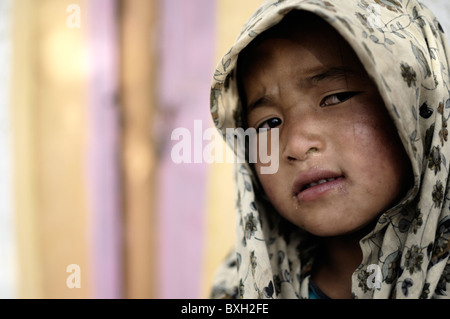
301	139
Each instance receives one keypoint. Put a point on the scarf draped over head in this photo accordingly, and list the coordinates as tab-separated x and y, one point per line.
404	50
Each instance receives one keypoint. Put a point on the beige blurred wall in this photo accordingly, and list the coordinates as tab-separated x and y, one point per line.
138	105
49	125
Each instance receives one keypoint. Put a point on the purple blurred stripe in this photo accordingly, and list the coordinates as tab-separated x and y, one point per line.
103	153
187	42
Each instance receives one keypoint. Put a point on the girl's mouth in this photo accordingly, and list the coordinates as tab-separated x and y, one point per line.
322	181
315	190
311	185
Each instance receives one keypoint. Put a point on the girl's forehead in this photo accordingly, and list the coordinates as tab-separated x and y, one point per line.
309	52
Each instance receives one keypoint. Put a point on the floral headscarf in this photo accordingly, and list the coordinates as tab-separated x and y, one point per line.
404	50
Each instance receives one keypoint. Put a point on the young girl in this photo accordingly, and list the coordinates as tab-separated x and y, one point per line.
359	206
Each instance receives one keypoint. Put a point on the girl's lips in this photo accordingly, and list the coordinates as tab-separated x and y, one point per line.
312	184
313	192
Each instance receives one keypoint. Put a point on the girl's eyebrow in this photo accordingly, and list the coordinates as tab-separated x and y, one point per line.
320	74
332	73
262	101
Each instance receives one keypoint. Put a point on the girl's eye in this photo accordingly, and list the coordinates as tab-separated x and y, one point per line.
337	98
270	123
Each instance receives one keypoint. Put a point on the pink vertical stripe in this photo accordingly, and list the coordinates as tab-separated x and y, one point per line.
187	49
103	156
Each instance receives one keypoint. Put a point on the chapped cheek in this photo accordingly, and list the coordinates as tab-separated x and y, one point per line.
370	134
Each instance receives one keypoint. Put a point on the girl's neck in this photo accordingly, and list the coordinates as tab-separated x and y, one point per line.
337	260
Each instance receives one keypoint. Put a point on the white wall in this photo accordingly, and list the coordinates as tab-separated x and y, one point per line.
441	9
7	260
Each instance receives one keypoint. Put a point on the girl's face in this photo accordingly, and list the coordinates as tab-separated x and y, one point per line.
341	161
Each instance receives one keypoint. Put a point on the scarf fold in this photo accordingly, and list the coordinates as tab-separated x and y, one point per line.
404	50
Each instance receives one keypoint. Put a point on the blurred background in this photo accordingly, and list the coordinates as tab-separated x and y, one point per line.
91	203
